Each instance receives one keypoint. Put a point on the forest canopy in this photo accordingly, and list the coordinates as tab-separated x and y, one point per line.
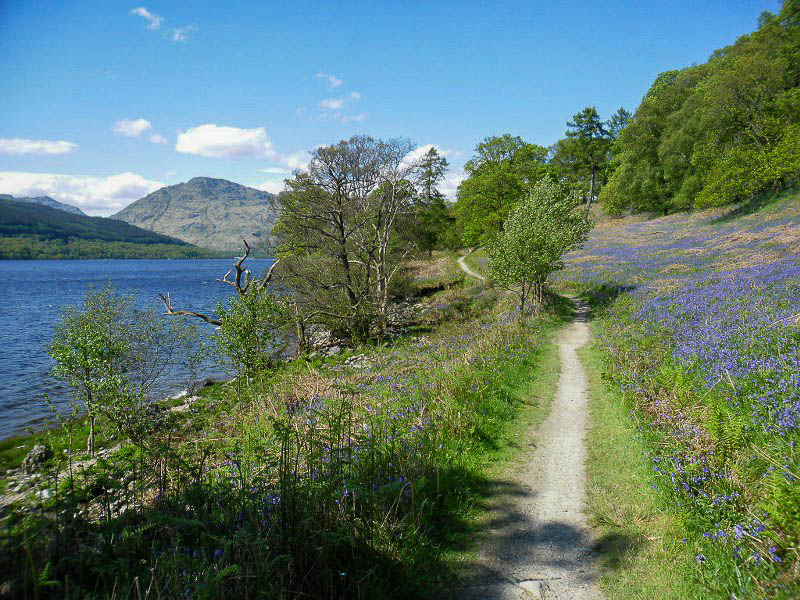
716	133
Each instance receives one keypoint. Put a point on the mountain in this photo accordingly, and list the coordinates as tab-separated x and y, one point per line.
30	230
212	213
46	201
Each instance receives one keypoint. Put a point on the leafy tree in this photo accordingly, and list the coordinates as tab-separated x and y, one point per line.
538	232
111	354
499	174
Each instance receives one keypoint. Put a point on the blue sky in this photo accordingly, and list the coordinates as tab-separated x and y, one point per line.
105	101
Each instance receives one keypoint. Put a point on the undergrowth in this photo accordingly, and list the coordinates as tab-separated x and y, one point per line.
345	477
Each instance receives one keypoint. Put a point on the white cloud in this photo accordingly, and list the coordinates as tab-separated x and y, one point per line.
446	152
352	118
25	146
181	34
275	170
219	141
332	103
333	81
157	138
337	103
132	127
153	20
452	179
271	186
95	195
297	160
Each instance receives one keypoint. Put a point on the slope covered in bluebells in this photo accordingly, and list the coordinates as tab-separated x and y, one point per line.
698	318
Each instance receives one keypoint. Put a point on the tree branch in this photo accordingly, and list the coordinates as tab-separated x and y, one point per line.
188	313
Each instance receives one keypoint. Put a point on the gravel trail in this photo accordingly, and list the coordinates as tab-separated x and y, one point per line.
537	543
469	271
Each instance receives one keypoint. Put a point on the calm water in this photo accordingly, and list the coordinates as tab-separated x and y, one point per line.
33	292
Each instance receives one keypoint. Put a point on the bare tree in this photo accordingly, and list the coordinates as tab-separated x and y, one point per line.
241	282
337	228
248	325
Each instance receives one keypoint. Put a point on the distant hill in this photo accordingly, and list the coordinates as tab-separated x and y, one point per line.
46	201
29	230
211	213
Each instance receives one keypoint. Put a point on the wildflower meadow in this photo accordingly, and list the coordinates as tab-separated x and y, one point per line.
698	317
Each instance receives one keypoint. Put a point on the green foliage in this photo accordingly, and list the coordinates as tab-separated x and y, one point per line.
111	354
498	176
248	336
716	133
536	235
32	247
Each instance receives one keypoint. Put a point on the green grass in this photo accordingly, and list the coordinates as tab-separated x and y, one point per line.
533	385
641	544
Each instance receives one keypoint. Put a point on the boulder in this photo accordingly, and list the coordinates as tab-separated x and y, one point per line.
38	455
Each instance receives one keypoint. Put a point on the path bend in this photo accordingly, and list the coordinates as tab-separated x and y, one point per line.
467	270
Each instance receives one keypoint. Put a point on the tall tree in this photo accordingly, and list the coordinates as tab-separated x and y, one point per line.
432	168
498	176
618	121
432	220
591	142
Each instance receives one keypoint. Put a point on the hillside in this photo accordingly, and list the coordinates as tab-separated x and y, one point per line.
696	323
29	230
211	213
46	201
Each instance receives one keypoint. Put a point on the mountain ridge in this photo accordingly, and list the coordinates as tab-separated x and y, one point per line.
206	211
46	201
32	230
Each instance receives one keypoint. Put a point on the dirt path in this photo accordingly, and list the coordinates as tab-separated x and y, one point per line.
467	270
537	543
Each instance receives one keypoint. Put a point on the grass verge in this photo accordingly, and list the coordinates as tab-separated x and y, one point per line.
641	544
533	387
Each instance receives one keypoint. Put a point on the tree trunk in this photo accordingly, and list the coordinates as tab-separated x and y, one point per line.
302	344
591	190
90	442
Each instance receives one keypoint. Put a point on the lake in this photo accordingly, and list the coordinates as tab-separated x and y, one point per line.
33	294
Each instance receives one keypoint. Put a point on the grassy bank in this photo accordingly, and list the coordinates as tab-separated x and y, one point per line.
697	320
640	541
349	476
